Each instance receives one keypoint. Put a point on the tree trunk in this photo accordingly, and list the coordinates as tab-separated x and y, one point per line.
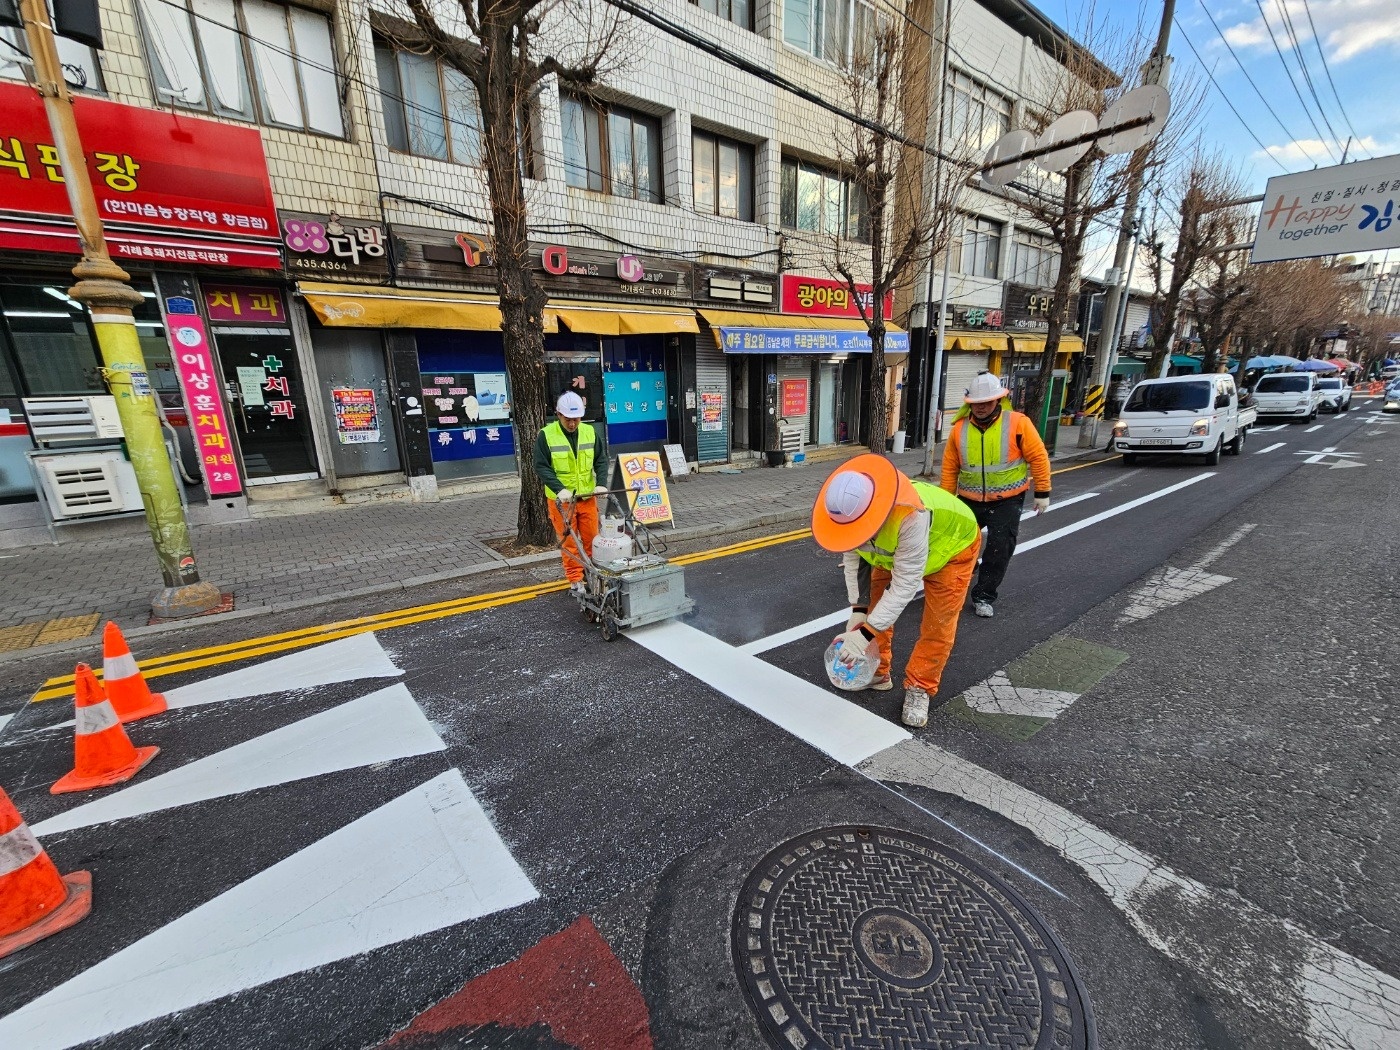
879	404
522	298
1069	269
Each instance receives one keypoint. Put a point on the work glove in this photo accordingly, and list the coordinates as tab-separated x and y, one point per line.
1042	504
852	646
600	490
857	618
566	496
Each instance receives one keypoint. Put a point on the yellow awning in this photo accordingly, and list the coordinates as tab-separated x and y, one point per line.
1028	344
975	341
1071	344
748	319
367	306
622	319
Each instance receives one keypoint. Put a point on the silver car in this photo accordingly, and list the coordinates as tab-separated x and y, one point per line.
1336	394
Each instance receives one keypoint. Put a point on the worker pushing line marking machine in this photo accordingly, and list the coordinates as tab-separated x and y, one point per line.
626	581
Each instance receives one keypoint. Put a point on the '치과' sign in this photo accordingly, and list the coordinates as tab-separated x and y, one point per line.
1340	210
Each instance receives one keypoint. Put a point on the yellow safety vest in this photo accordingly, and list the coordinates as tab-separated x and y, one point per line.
989	468
573	469
952	528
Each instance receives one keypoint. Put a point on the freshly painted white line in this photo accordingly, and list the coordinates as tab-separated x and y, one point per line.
1269	448
844	730
380	727
427	860
793	634
1220	935
1112	512
1315	426
1061	504
997	696
4	721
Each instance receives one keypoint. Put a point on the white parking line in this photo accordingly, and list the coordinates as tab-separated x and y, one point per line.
1315	426
1112	512
1276	444
1061	505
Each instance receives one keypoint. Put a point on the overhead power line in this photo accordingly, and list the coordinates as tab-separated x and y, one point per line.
1303	65
1221	92
1317	41
1291	78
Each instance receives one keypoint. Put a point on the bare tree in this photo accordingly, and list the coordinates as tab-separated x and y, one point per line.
1288	305
509	49
905	217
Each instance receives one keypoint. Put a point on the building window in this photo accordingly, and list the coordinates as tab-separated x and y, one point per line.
723	176
1036	260
611	150
832	30
978	251
248	59
430	109
740	12
977	115
819	202
80	68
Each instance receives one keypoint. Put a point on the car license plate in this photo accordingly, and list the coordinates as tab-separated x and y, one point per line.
1156	441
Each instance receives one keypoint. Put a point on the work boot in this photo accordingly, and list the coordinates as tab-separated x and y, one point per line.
578	589
915	711
983	609
881	683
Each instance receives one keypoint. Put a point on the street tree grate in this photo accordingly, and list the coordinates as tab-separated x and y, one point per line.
852	937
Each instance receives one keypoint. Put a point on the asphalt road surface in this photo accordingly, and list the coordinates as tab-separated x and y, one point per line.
1174	748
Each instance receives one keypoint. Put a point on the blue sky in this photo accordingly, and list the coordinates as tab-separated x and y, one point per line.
1359	40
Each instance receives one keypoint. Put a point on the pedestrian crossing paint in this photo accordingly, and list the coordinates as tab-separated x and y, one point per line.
380	727
427	860
845	731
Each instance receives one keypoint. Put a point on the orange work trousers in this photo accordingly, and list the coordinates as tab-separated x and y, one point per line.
945	591
585	517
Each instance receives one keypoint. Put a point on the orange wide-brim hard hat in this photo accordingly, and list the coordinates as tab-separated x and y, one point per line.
835	535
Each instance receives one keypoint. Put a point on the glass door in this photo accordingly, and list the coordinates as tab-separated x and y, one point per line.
355	393
265	390
826	405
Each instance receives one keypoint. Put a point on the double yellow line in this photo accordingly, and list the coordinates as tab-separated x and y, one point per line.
194	659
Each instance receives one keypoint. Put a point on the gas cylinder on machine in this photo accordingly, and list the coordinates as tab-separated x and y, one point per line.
612	544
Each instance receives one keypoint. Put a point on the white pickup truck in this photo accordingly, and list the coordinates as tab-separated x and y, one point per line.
1184	416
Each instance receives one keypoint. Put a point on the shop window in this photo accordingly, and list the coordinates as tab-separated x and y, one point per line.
977	252
52	340
430	109
820	202
722	172
634	391
611	150
80	68
249	59
740	12
467	404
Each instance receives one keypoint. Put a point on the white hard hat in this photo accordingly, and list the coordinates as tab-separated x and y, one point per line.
985	387
848	496
570	405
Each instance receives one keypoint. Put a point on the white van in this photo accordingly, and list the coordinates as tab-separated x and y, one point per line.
1292	394
1183	415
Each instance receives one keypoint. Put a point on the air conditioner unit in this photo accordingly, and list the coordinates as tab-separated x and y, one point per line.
84	484
55	420
790	439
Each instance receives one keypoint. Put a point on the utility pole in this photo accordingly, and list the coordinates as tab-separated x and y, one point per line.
103	288
933	363
1154	72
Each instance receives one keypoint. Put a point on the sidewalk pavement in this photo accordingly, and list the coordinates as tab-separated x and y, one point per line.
51	594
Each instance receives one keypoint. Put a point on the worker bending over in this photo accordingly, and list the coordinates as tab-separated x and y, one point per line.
896	535
572	474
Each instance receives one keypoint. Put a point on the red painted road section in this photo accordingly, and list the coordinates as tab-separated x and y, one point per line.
571	982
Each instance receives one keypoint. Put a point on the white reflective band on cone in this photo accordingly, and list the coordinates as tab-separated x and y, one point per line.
115	668
18	848
96	718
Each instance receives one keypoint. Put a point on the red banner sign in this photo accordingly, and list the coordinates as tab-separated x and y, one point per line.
243	304
202	184
189	345
818	296
794	398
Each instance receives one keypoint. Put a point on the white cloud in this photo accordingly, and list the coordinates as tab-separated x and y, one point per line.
1347	28
1306	152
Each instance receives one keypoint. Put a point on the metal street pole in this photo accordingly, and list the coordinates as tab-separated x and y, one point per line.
1154	72
933	432
102	287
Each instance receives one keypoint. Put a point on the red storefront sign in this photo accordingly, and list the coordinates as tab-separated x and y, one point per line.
794	398
200	382
169	188
243	304
821	297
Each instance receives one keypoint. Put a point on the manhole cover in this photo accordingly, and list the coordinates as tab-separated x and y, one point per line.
854	937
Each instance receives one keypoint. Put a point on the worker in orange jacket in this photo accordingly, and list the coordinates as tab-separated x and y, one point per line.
993	455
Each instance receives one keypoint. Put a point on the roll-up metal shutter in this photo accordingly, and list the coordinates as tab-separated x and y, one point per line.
962	368
797	368
712	378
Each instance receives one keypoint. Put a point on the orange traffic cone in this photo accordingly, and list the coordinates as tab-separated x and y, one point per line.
103	754
35	901
126	688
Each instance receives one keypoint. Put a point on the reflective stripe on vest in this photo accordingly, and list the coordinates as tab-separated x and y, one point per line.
985	479
952	528
574	471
